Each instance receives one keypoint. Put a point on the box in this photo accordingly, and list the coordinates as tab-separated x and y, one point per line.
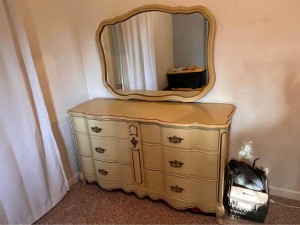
246	203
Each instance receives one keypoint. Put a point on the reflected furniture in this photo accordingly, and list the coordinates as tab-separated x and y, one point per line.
186	79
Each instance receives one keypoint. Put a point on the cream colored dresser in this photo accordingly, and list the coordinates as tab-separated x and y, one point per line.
166	150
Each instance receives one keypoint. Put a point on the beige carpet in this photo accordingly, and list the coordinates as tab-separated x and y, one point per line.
89	204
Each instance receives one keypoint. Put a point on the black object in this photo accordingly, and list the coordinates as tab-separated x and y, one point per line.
247	176
186	80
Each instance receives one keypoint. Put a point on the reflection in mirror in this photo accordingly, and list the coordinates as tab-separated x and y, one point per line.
157	51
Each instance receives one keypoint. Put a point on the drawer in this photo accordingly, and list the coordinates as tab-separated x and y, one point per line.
79	124
114	172
186	189
181	137
87	165
106	128
195	163
83	144
111	149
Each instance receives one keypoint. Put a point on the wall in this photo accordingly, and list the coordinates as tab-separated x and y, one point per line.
111	58
257	55
189	41
163	46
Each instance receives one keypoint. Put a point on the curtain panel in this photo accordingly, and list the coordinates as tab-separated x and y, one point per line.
32	179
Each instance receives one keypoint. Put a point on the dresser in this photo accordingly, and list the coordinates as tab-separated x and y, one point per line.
166	150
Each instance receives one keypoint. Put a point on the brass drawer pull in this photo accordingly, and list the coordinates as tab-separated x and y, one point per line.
176	164
134	142
100	150
96	129
176	189
174	139
103	172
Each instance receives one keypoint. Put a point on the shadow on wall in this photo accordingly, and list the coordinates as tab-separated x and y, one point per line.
275	141
42	77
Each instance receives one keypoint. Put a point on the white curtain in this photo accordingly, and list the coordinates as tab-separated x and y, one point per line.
135	48
32	178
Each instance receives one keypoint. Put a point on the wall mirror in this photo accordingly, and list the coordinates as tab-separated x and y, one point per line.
158	53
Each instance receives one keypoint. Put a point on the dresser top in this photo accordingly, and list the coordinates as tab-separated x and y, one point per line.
204	114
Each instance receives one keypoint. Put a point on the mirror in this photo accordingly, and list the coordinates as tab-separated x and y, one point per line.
158	53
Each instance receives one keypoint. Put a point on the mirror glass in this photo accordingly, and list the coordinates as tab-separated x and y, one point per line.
158	54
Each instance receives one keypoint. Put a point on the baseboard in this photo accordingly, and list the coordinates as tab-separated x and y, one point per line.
286	193
73	180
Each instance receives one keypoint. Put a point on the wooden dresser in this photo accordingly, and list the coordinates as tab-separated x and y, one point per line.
166	150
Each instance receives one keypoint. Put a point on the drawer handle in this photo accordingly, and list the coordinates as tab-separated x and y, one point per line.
134	142
102	171
100	150
176	164
176	189
174	139
96	129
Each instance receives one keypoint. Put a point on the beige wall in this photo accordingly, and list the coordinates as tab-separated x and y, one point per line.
257	55
189	41
163	46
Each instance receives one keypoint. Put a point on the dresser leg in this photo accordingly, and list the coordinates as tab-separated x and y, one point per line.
82	179
219	214
219	219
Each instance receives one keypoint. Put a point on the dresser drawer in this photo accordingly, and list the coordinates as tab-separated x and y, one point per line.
181	137
83	144
111	149
114	172
187	189
106	128
87	165
195	163
79	124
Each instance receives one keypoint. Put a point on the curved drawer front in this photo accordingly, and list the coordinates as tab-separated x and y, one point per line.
180	137
87	165
186	189
107	128
195	163
114	172
79	124
83	144
111	149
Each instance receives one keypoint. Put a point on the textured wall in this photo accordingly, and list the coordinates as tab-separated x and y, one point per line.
257	55
190	34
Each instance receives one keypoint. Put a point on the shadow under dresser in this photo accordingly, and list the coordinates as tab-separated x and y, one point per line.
166	150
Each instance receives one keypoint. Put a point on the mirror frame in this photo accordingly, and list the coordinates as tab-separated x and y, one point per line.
168	97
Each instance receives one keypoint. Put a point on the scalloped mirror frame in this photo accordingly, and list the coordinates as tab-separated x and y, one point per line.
168	9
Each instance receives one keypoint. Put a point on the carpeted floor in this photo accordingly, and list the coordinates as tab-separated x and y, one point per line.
89	204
